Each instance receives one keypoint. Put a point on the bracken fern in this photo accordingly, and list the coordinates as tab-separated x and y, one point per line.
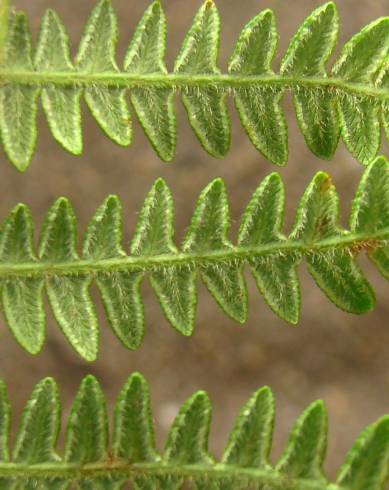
352	101
90	462
206	252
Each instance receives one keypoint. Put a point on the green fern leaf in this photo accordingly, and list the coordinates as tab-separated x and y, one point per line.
39	426
133	438
304	455
206	107
22	299
123	305
103	238
18	102
87	433
120	293
307	55
335	271
367	463
61	105
275	275
359	62
188	438
89	462
153	237
153	106
250	441
370	211
97	54
349	100
259	108
208	231
317	238
68	295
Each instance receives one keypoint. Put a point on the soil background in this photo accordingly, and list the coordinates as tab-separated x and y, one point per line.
331	355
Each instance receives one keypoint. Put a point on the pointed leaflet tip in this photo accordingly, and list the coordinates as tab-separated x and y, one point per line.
104	4
87	437
313	43
89	381
16	237
210	222
256	46
154	229
366	466
103	238
61	203
160	184
133	438
112	200
372	194
39	426
304	454
362	56
50	16
137	378
217	184
250	441
22	210
329	6
188	438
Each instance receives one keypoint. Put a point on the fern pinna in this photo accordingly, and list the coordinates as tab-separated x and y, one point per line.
352	101
206	253
90	462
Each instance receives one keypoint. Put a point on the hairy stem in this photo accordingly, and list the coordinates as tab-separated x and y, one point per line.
352	242
130	80
125	471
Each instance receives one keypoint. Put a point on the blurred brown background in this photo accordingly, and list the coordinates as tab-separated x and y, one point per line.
340	358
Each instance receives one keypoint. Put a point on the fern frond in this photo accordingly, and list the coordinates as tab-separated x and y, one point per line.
90	462
350	101
206	253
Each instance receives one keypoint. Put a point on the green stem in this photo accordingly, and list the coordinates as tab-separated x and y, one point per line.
131	80
128	472
353	242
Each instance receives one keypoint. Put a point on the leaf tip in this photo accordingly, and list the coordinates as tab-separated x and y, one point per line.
209	4
200	398
323	181
112	201
318	406
380	161
217	185
48	383
265	392
137	380
317	409
89	355
274	178
160	185
21	164
90	382
62	202
156	5
21	210
330	6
